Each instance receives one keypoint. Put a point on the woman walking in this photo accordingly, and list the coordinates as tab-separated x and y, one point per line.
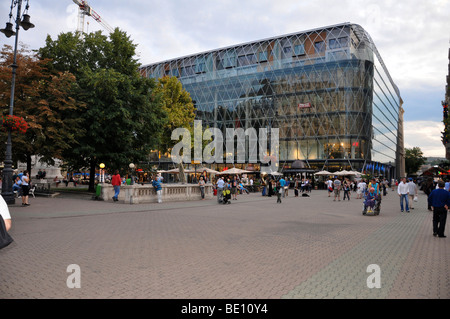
25	188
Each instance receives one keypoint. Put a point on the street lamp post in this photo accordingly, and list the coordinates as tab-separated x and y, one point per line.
132	166
102	173
24	21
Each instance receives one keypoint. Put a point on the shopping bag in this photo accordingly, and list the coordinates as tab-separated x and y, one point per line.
415	198
5	238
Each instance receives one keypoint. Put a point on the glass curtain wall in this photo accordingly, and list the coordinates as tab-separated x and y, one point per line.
327	90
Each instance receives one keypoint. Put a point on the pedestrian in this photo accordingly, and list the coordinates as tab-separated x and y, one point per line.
202	183
158	188
447	185
5	216
329	184
403	192
17	187
412	189
337	189
220	184
427	189
4	213
278	191
270	187
377	186
116	181
25	188
360	189
234	185
282	185
439	200
296	187
370	198
346	190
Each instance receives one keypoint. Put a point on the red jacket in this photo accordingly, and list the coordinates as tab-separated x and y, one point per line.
116	181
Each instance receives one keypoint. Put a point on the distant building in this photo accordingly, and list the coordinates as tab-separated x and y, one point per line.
327	90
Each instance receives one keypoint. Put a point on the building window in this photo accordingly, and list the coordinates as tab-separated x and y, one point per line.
338	43
319	46
299	49
174	72
287	51
229	60
248	59
200	65
263	56
187	71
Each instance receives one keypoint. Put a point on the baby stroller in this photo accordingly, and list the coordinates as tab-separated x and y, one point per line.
371	205
226	196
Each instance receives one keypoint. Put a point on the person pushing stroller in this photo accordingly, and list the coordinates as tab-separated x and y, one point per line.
370	198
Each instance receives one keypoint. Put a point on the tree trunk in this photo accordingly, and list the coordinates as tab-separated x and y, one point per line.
29	165
92	176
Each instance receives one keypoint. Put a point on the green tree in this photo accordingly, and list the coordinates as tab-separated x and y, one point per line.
45	101
177	104
123	119
413	160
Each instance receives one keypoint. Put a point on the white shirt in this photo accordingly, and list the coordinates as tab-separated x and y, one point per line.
4	210
412	188
220	183
403	189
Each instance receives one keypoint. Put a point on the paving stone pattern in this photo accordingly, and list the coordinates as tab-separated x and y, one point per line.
305	247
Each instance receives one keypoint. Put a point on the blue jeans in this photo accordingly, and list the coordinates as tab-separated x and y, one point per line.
116	192
404	196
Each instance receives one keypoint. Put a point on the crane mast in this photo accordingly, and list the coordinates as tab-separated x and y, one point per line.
84	9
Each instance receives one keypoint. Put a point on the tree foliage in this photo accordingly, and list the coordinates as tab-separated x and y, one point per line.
177	104
123	118
413	160
45	100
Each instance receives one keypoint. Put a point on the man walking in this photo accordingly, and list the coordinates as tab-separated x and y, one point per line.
157	185
220	185
115	182
412	188
403	192
439	200
282	185
337	189
329	184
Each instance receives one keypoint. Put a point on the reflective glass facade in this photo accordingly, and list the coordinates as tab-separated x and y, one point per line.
327	90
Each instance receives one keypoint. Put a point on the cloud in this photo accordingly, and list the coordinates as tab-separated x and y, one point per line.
426	135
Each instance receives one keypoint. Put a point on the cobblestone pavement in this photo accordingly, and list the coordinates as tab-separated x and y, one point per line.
305	247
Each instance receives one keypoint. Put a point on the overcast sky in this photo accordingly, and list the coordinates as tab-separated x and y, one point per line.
413	38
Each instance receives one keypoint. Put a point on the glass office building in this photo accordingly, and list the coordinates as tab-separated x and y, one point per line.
327	90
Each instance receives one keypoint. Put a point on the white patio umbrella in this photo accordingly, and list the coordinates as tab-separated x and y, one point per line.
208	170
323	173
234	170
177	170
275	174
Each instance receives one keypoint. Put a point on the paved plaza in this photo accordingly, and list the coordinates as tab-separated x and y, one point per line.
254	248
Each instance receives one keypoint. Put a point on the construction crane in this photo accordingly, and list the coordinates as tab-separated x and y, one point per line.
84	9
